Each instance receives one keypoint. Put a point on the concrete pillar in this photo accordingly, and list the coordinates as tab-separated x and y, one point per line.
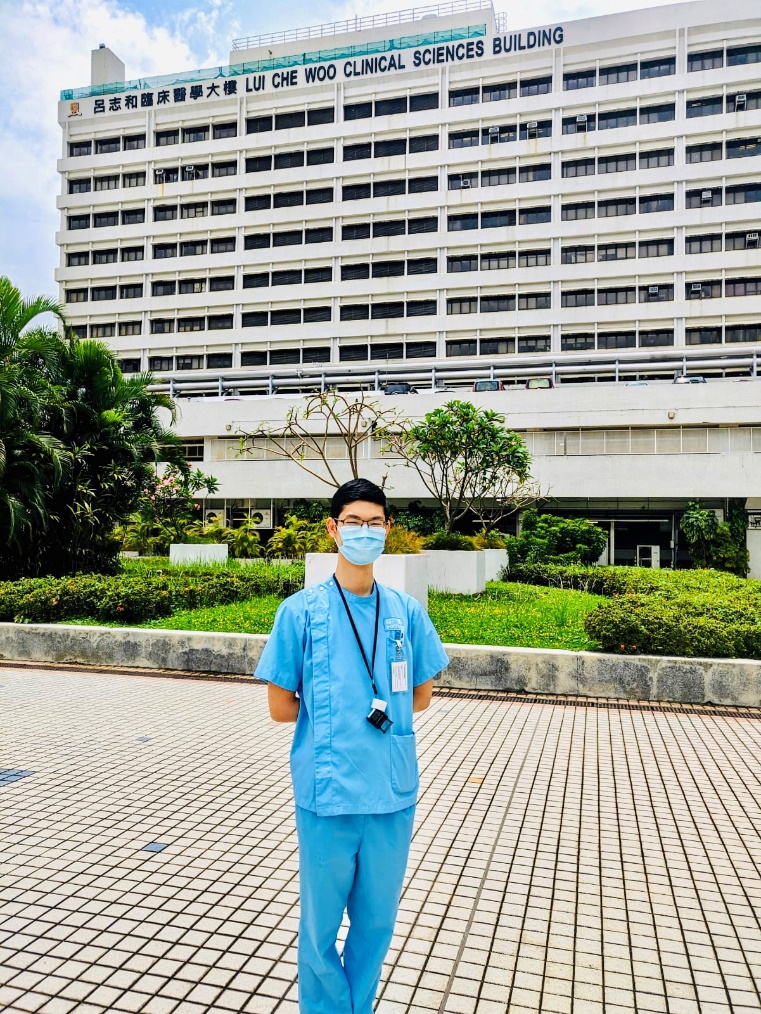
105	66
753	536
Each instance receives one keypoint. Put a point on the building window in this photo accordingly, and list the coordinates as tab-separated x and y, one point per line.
615	118
743	193
320	195
657	114
356	230
429	100
467	347
351	272
289	199
78	330
462	304
744	147
577	297
352	353
253	358
191	324
710	60
191	285
535	216
535	128
659	293
580	79
654	339
77	260
257	241
618	74
192	134
463	138
422	184
464	96
160	364
257	281
387	107
106	182
616	206
661	67
316	355
534	258
285	357
461	223
496	177
387	269
617	163
534	173
222	130
497	219
498	134
76	295
357	152
105	256
421	350
166	137
577	342
616	251
259	164
421	308
220	322
163	288
316	314
389	188
393	146
80	186
133	216
742	287
105	219
224	245
705	107
497	304
703	336
355	311
422	266
577	211
289	160
743	333
197	210
706	197
469	262
356	192
651	203
133	253
258	202
536	86
534	301
741	240
219	169
617	340
499	92
578	167
201	172
358	111
710	152
294	276
287	121
215	361
164	212
79	148
162	250
253	318
737	55
581	123
226	207
577	254
162	326
193	248
129	365
703	244
384	311
106	145
657	159
222	283
534	343
258	124
291	237
496	346
656	248
612	297
166	175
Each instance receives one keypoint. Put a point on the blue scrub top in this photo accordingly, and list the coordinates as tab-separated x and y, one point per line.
339	762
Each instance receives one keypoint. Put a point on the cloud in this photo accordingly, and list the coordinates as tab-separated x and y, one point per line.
47	47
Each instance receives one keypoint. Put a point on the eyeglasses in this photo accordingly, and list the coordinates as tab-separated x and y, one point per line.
360	524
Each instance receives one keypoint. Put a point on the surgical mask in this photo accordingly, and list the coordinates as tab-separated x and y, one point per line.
362	545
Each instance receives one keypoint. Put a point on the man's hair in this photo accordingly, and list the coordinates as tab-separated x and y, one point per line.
358	489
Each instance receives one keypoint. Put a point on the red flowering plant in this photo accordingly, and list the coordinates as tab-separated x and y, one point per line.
167	508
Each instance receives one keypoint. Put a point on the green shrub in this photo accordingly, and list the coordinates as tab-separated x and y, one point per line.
135	598
486	539
546	538
400	540
448	540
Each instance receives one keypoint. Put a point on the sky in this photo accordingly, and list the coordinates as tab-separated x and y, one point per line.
46	44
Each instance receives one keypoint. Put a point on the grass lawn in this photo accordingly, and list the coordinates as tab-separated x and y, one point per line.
507	614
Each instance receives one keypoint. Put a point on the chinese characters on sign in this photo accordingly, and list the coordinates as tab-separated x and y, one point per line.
162	98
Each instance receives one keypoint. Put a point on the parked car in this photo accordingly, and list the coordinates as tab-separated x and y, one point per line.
399	388
538	383
682	378
488	385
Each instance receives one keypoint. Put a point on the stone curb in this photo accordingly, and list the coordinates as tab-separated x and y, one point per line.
473	667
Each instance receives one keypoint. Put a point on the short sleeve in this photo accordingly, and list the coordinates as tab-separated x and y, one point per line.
282	659
428	655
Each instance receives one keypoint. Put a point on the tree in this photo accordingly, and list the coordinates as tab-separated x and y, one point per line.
467	459
309	434
166	510
547	538
714	543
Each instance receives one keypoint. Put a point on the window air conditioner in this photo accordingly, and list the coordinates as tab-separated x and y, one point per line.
751	239
464	184
706	197
740	100
581	118
215	515
190	169
696	287
493	130
532	125
159	172
652	290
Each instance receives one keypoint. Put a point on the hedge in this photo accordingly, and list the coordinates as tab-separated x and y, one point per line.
135	598
689	613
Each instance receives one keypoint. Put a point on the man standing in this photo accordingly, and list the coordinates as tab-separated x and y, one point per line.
349	661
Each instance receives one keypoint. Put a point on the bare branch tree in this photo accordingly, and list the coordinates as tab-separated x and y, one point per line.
308	430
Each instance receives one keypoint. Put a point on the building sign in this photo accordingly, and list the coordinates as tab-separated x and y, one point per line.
754	520
276	81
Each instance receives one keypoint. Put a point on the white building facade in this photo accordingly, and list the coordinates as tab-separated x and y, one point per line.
433	197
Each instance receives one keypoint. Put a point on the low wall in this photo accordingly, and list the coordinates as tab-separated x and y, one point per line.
474	667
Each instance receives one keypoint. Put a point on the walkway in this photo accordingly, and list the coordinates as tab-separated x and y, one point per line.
568	859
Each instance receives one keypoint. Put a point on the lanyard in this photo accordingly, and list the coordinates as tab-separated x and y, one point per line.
368	666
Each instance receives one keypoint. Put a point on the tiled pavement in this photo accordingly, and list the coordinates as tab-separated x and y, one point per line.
566	859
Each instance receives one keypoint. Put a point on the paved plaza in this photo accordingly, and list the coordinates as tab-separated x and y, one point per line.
567	857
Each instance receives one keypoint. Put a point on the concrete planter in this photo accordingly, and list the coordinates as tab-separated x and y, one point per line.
404	572
494	561
456	570
179	552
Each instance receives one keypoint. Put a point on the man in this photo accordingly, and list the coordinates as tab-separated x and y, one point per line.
349	661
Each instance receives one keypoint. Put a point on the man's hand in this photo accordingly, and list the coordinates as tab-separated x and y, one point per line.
284	704
421	696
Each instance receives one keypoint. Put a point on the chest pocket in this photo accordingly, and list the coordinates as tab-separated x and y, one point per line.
397	669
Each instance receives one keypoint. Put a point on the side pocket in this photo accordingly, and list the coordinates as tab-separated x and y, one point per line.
404	773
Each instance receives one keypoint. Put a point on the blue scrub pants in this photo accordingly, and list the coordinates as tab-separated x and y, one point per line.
353	863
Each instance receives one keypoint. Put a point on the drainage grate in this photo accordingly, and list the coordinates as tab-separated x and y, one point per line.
8	775
698	710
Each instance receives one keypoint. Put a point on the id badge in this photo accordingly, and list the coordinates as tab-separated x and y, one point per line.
399	682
